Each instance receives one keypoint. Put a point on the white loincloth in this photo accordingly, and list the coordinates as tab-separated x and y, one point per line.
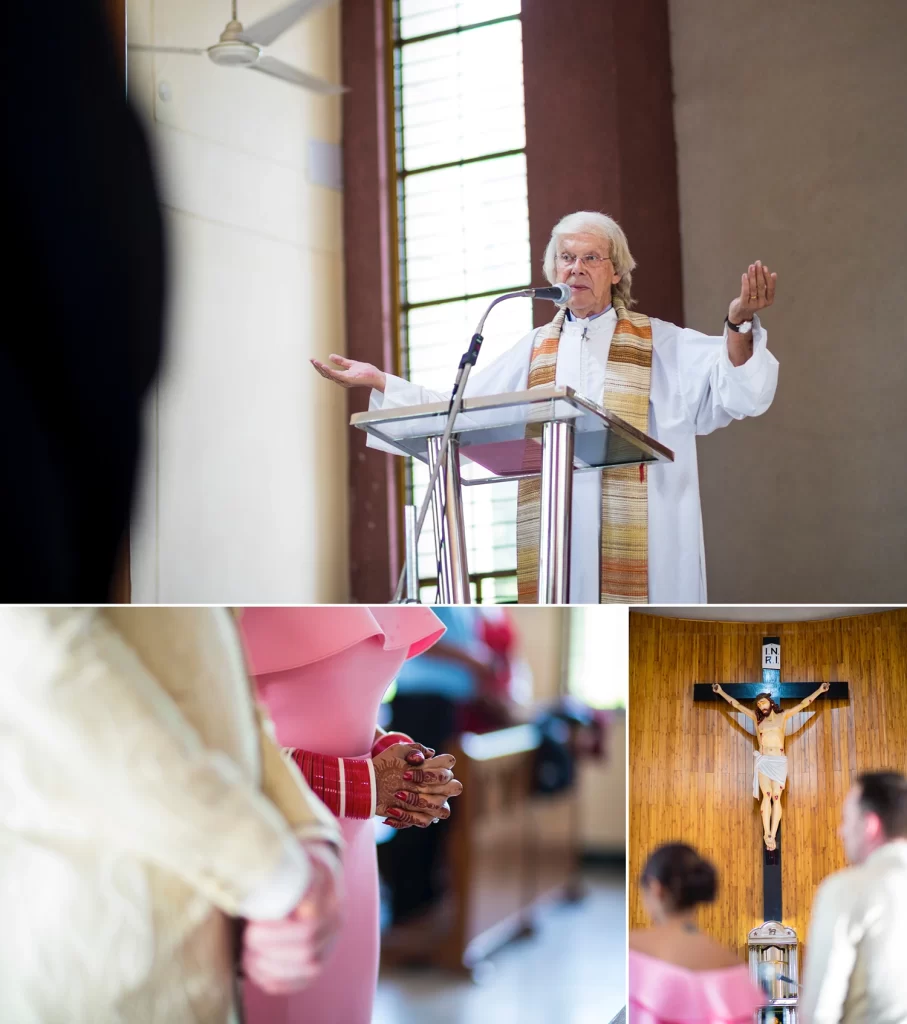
772	766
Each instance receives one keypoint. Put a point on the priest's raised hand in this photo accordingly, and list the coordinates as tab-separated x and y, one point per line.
350	373
757	292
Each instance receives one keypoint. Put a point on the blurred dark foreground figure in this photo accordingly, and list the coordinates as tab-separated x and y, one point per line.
86	278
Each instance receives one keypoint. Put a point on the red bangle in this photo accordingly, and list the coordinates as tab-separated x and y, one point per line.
388	740
344	784
359	787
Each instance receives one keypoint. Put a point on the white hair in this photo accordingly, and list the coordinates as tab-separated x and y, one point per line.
604	227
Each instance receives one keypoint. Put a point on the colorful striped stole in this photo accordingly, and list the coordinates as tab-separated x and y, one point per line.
624	566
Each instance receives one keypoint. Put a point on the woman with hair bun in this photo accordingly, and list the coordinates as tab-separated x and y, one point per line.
677	973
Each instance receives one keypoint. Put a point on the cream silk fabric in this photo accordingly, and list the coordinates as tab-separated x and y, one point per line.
137	810
857	948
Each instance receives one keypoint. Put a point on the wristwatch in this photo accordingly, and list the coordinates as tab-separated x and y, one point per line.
743	328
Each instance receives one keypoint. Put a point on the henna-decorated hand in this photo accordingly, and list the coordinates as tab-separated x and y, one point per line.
410	793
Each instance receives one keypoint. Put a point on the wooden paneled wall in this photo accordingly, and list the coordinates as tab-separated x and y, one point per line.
691	765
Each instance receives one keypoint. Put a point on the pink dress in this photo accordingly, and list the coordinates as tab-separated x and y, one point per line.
663	993
322	672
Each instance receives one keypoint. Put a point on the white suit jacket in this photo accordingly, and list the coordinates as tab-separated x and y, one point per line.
141	803
856	960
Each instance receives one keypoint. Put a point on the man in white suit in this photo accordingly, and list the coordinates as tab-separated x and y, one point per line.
143	806
855	959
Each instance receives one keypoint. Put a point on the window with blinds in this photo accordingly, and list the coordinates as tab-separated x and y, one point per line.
463	229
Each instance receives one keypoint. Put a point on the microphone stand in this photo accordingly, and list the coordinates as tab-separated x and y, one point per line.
467	362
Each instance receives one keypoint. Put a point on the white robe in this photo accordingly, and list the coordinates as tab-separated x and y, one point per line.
695	389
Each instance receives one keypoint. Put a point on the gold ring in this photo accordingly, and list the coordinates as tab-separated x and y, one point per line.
752	298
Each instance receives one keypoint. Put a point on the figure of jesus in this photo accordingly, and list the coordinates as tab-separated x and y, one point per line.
770	769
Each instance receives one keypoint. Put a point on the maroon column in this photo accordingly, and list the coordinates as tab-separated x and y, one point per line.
600	133
371	286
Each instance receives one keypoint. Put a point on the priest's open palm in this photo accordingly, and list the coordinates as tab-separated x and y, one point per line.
757	291
349	373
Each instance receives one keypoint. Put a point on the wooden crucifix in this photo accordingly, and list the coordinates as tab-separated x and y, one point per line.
769	724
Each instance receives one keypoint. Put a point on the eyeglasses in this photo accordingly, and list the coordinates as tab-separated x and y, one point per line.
589	261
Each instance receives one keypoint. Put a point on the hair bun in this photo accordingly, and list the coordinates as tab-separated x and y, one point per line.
687	878
700	884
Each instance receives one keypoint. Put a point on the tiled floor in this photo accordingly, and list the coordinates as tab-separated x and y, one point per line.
572	971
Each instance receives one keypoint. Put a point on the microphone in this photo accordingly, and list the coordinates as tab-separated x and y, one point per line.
559	293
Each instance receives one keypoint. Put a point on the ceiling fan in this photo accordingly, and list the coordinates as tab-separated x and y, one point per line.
242	47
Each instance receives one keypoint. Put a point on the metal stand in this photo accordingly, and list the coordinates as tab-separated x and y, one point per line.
442	551
449	526
455	528
556	499
412	554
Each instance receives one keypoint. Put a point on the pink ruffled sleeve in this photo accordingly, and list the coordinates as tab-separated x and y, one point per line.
277	639
662	993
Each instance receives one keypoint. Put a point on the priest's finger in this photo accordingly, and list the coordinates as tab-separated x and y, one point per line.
765	282
340	360
760	281
325	371
744	288
772	278
754	288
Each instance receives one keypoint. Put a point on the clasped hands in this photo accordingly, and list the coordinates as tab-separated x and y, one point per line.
414	785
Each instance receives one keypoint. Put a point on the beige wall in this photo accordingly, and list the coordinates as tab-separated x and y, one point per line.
792	149
543	636
244	496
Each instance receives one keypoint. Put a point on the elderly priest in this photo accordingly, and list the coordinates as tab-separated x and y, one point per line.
670	382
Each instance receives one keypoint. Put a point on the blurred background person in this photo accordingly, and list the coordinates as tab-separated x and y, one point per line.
858	930
502	683
439	693
82	211
322	673
672	964
142	806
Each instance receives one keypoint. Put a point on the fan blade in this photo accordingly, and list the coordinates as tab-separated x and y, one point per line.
268	29
165	49
277	68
